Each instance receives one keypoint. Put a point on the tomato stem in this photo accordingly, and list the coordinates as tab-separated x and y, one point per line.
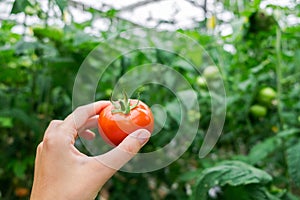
123	105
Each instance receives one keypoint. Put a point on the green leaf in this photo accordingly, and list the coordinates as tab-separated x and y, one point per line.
260	151
61	4
232	173
19	6
24	47
256	3
260	67
81	38
293	162
53	33
289	132
22	116
173	108
189	175
183	64
159	118
289	196
6	122
7	25
248	192
19	169
111	13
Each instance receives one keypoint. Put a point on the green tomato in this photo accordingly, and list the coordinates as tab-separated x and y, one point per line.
30	10
258	110
211	72
193	115
108	92
266	95
201	81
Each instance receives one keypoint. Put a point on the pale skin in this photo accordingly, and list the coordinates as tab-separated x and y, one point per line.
62	172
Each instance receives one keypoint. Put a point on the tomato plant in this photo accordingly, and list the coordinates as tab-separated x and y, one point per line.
123	117
258	60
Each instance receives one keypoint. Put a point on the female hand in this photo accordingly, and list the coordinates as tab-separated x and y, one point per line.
62	172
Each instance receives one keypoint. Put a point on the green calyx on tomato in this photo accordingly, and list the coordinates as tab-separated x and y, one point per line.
123	105
123	117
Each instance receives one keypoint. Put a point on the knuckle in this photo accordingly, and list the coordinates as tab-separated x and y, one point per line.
49	141
52	138
40	148
54	124
79	109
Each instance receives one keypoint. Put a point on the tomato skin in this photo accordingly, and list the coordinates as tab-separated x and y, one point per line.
258	110
266	95
21	192
201	81
115	127
211	72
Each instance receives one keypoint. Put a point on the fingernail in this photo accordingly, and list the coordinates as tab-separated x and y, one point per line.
141	135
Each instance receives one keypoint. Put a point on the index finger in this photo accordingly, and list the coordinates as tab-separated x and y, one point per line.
80	116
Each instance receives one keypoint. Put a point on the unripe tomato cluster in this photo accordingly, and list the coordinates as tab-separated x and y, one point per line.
210	73
265	99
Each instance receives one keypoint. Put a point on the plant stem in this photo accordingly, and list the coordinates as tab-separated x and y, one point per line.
279	75
25	24
279	92
47	13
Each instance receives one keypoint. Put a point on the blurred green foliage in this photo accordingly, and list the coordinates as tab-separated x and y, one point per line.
257	156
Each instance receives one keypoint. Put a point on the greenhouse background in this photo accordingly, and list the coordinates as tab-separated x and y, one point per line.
253	48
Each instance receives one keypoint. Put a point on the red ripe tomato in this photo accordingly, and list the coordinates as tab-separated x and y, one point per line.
121	118
21	192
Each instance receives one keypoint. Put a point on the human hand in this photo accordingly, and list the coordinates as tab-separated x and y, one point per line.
62	172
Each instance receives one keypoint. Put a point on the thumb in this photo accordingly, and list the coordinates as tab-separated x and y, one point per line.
120	155
134	141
